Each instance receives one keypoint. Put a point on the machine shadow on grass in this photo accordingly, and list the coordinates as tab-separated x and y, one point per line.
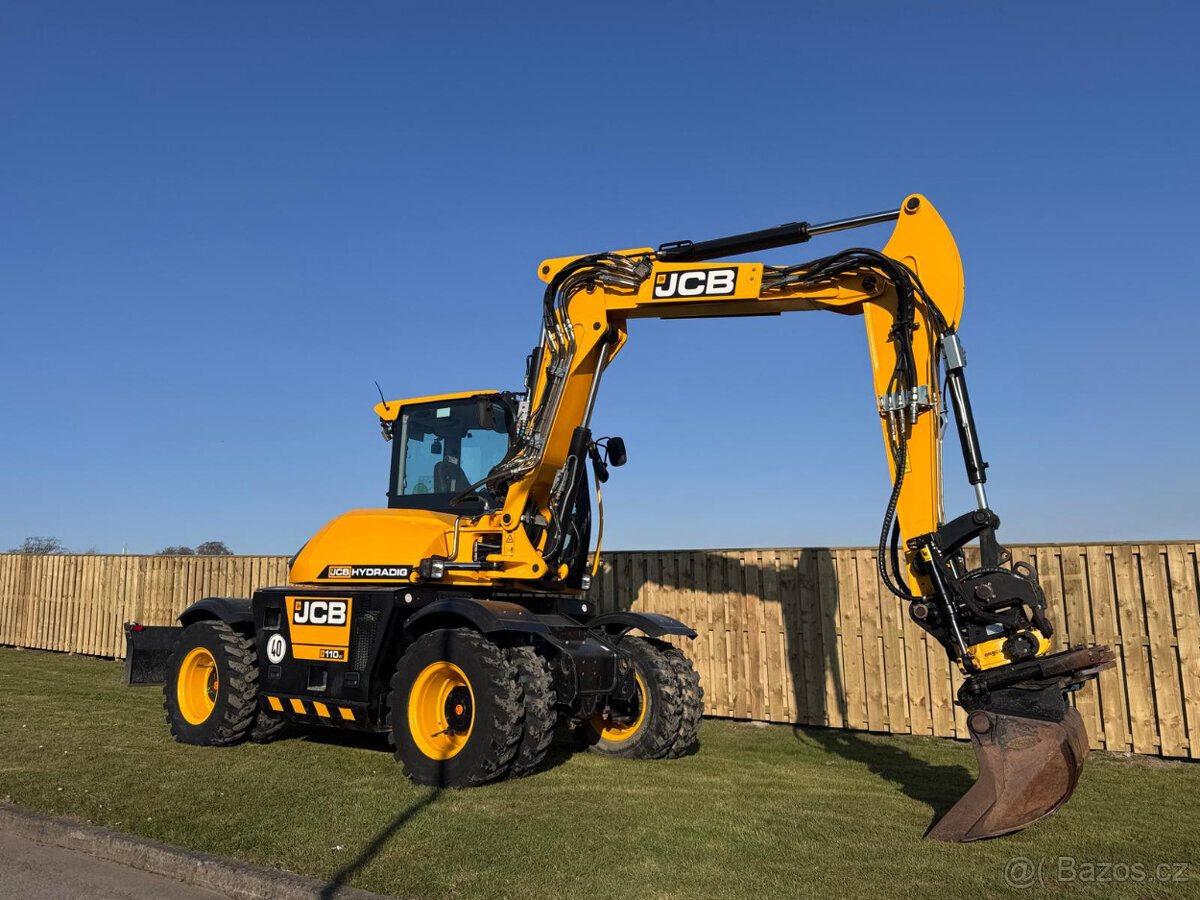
368	853
938	787
810	609
557	754
560	751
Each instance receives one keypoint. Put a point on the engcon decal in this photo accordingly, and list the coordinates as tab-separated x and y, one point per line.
695	283
363	572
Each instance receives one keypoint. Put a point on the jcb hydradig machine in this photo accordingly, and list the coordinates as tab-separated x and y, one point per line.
457	619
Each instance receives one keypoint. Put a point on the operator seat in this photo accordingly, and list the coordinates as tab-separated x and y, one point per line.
448	477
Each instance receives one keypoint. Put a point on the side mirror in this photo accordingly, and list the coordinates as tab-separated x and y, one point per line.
616	452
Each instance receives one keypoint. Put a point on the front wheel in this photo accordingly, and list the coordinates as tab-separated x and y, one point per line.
211	692
455	710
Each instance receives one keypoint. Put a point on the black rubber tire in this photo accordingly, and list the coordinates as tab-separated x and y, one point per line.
236	702
692	695
537	687
267	728
660	725
497	716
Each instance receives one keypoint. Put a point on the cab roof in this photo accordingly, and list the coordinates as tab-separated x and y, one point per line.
391	409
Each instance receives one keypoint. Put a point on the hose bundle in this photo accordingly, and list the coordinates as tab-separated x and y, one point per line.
864	262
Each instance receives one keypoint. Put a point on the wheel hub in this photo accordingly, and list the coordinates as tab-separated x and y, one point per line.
458	710
620	724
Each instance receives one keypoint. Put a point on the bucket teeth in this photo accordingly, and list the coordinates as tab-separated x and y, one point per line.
1028	768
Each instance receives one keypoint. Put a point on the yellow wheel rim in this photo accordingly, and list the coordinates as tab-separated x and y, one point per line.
441	710
610	730
196	687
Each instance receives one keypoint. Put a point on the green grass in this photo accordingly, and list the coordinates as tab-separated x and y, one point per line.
758	812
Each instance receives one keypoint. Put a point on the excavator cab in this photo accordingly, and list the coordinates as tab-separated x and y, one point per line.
443	449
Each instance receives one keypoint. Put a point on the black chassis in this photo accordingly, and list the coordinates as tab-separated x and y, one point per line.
586	660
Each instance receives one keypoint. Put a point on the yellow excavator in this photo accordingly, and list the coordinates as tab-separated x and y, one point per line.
457	620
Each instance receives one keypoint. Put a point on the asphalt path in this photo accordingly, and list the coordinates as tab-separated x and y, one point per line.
31	871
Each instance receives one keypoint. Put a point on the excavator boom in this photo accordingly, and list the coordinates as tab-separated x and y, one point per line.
1030	743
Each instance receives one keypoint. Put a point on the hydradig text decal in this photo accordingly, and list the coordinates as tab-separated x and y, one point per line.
366	572
695	283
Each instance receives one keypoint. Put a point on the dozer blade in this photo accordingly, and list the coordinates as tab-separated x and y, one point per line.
1028	768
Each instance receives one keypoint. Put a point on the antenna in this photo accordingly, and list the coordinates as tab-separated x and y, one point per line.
382	399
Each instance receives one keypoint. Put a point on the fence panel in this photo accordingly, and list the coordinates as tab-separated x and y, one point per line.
805	636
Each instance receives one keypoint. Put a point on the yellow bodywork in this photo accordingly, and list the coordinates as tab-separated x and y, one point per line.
389	411
599	318
397	536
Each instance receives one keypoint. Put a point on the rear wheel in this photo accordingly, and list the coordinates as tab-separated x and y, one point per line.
540	717
647	726
691	695
455	710
211	692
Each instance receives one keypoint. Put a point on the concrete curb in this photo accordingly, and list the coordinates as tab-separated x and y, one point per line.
241	881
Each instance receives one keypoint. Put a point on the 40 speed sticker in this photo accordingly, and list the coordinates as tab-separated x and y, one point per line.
276	648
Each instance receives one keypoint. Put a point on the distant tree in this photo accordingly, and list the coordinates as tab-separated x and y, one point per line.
213	548
177	550
40	546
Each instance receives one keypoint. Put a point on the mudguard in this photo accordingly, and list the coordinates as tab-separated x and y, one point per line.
485	616
230	610
653	624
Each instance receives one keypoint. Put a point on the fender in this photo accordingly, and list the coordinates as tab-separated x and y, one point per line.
230	610
653	624
485	616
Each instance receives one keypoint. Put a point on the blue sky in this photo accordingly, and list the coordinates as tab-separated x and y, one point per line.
223	222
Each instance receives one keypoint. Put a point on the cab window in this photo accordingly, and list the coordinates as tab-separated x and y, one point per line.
442	448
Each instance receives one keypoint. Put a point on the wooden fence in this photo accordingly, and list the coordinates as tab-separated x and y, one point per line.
77	604
785	635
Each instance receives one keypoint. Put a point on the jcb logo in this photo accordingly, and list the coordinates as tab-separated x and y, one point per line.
319	612
340	572
696	283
